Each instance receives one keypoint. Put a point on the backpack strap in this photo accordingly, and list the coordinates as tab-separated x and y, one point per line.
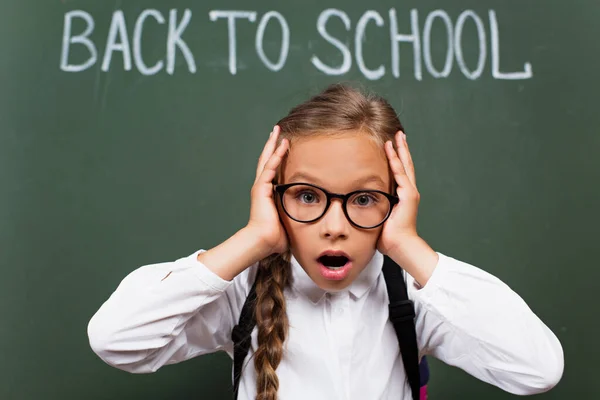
241	336
402	314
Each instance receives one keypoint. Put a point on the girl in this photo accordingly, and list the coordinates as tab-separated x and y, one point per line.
334	192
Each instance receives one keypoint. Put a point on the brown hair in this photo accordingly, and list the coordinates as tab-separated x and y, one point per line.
339	108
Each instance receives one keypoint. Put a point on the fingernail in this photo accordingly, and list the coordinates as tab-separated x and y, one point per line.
271	134
404	136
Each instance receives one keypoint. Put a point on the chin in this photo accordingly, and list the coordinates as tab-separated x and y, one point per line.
334	286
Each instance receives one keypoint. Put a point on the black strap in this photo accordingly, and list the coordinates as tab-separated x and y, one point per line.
241	336
402	314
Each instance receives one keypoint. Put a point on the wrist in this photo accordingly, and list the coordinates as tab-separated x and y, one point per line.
234	255
415	256
257	247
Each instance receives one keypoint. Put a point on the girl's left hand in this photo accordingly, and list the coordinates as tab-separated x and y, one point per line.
402	222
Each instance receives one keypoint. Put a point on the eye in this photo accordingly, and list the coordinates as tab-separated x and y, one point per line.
307	196
365	199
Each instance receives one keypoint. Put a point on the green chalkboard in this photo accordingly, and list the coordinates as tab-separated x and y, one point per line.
129	133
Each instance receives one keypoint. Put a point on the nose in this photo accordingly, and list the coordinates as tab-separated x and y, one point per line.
334	224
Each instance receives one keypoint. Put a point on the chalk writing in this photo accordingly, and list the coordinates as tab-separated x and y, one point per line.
403	33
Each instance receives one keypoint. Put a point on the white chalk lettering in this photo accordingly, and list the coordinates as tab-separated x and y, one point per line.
496	55
137	43
359	37
117	27
443	15
285	40
458	44
231	16
79	39
413	38
80	52
174	39
347	61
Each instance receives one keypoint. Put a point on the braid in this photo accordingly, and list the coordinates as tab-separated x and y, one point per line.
272	322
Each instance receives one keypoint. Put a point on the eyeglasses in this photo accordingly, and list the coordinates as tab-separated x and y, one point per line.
306	203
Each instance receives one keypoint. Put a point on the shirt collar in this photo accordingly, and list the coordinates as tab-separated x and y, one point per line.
363	282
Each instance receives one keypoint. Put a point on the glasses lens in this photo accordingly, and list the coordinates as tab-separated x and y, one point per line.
304	203
368	209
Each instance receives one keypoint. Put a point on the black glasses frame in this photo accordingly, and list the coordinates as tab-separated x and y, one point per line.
280	189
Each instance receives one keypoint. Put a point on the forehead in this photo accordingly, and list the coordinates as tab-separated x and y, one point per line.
339	163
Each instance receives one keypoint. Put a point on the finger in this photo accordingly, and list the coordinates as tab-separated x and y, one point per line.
394	161
270	169
267	151
264	155
405	157
396	166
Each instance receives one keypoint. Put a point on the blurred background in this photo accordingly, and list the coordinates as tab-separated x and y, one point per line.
130	131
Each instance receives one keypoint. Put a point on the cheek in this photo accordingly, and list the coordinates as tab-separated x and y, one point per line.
303	238
371	235
292	228
287	225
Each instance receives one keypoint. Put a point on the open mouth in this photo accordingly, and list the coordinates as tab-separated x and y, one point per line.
333	262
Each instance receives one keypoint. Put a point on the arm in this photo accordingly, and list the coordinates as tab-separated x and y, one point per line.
166	313
465	316
470	319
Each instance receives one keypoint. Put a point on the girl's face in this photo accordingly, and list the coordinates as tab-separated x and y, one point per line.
339	164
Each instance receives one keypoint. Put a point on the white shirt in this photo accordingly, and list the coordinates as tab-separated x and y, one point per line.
339	346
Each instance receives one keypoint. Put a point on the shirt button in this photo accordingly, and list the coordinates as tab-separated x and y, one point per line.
340	310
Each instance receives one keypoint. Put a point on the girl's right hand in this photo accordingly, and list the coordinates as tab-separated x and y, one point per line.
264	219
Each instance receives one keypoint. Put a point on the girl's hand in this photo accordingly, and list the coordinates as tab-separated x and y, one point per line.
402	223
264	219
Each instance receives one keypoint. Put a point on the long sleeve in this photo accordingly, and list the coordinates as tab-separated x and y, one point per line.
167	313
470	319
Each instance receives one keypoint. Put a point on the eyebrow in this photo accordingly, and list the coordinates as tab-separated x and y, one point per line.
304	177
